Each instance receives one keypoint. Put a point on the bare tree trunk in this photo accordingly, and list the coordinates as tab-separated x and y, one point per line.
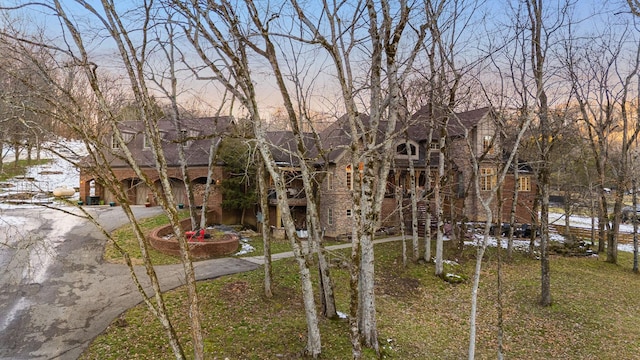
439	268
545	271
603	221
29	150
514	206
427	198
16	154
427	234
266	229
364	200
538	58
476	285
354	293
401	217
635	226
567	213
535	222
414	207
499	303
213	152
326	283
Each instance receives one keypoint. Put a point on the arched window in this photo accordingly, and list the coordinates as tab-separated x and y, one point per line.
402	149
349	173
407	150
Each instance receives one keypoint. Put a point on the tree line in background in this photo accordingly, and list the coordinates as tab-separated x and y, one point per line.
565	95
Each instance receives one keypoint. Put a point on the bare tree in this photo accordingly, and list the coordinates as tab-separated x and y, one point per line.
591	78
543	25
385	28
77	108
230	33
266	230
602	87
477	156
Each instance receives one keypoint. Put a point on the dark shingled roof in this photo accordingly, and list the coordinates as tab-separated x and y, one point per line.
420	123
336	138
199	131
283	146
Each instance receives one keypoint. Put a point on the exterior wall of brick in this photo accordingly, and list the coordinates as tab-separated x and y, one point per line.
389	216
524	209
138	192
335	202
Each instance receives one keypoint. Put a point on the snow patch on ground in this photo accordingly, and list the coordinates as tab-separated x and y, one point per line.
43	179
554	218
245	247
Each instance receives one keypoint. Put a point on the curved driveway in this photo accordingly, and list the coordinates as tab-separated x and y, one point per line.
56	293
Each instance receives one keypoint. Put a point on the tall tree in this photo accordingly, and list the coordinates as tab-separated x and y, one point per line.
82	94
341	35
543	25
229	31
603	83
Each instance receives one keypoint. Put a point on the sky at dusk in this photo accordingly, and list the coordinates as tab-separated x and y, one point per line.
487	25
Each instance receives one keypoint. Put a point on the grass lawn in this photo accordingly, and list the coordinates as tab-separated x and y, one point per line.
125	237
594	314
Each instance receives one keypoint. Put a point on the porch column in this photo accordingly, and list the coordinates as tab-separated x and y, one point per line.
278	217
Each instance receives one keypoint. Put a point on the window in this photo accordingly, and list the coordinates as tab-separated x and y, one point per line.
461	185
348	212
349	173
146	142
126	137
114	142
403	149
434	146
330	216
524	183
487	179
487	144
329	181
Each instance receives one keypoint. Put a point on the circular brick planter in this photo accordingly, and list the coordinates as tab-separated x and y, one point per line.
220	244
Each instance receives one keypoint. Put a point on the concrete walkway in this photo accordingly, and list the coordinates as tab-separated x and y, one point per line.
259	260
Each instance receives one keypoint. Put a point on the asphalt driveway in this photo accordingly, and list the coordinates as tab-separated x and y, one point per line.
56	293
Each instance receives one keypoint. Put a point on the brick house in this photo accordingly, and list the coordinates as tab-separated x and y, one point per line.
196	134
336	175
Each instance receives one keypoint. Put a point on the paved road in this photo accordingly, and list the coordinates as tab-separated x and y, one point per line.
56	293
